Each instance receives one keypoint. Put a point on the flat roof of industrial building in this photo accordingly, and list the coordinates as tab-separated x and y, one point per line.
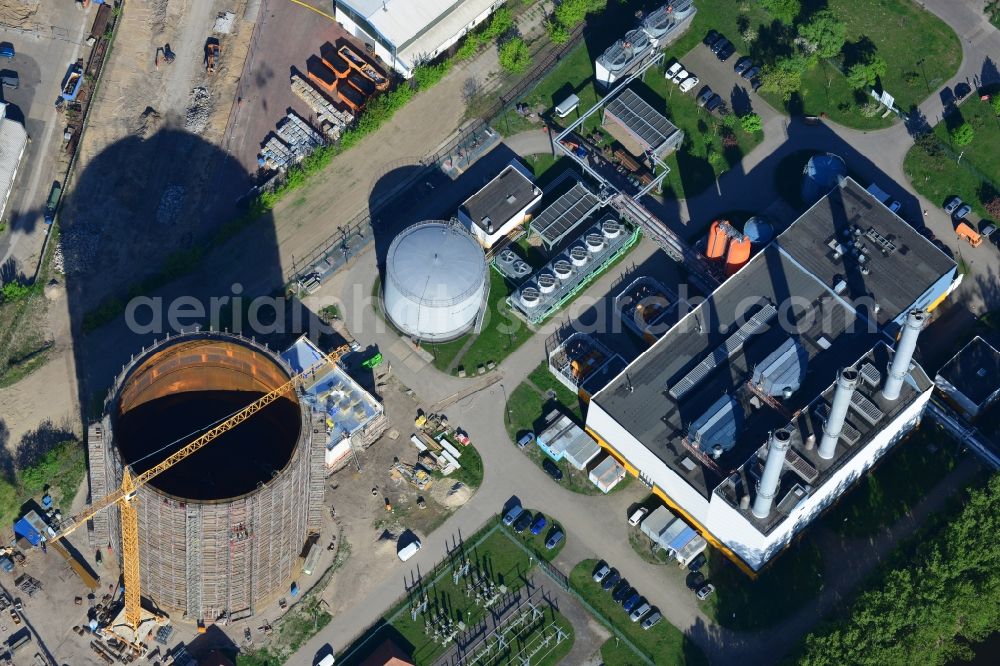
501	198
974	371
764	344
900	263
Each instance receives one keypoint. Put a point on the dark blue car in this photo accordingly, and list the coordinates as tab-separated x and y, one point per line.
539	524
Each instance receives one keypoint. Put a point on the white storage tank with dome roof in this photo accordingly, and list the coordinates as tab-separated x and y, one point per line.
435	280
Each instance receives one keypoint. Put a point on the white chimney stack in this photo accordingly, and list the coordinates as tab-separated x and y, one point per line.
778	445
907	344
847	381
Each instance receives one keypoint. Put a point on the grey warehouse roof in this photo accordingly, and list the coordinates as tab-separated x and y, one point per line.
898	266
502	198
650	128
975	370
436	263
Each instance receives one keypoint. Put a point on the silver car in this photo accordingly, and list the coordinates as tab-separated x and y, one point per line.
639	611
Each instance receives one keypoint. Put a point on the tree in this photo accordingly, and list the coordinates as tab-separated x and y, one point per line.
785	11
13	291
866	74
751	123
784	77
500	24
962	135
557	31
825	32
515	56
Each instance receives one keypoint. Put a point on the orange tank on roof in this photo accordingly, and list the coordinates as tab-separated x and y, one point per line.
738	254
717	241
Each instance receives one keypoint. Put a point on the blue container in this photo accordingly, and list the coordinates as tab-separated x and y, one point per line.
295	589
47	501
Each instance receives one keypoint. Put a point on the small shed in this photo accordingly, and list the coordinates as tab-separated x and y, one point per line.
608	473
971	379
563	439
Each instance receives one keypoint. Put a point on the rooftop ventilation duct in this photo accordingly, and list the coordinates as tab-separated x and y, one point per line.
900	366
778	445
847	381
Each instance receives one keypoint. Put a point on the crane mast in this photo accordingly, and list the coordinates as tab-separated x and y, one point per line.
124	497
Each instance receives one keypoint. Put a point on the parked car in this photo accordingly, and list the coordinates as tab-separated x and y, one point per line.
705	591
554	539
7	50
632	602
637	516
694	580
895	206
689	83
698	562
962	211
743	64
526	438
622	591
610	580
719	44
673	69
512	514
705	95
962	91
987	228
409	550
711	38
927	233
9	79
522	523
751	73
725	52
952	204
652	619
680	76
639	610
552	469
601	571
755	84
539	524
713	103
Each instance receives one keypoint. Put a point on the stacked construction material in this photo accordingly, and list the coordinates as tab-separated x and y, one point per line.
293	141
332	120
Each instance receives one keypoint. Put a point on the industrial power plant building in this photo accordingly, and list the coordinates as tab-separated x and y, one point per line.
767	401
221	531
405	33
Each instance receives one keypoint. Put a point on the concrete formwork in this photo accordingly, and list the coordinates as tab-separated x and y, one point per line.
224	556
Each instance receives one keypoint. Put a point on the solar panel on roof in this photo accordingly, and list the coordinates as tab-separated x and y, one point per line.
650	127
565	214
869	411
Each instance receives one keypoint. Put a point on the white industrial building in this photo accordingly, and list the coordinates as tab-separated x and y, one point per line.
562	439
435	283
13	141
354	417
406	33
767	401
971	379
658	29
501	205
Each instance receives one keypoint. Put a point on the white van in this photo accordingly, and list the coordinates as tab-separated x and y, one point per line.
409	551
637	517
567	106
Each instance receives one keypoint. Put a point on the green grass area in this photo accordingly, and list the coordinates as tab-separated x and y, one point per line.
502	333
897	484
981	158
471	472
922	52
645	549
662	644
23	347
536	542
786	584
299	625
59	471
937	175
490	553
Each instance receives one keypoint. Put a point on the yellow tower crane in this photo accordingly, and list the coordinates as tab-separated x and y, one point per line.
124	497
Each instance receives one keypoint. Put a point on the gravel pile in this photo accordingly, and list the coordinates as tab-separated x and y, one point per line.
198	111
76	250
170	204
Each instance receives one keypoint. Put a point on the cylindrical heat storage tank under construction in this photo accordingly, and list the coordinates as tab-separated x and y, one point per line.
219	532
435	278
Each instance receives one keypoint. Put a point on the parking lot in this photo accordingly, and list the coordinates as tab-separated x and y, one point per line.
47	37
